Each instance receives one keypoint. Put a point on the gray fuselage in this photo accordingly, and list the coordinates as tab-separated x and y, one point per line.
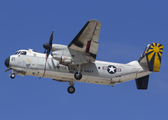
98	72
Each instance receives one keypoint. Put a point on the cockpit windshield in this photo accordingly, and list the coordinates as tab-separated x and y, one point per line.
20	53
17	53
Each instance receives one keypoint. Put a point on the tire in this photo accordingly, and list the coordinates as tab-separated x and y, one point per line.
12	75
77	76
71	89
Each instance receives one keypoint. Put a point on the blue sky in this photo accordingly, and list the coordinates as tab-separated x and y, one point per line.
127	27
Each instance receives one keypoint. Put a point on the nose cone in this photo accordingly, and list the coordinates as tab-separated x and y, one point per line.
7	62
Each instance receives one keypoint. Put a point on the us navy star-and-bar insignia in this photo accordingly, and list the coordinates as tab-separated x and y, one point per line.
111	69
154	56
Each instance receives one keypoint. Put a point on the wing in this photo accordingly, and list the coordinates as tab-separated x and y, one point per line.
86	41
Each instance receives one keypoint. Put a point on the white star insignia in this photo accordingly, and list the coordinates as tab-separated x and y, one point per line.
111	69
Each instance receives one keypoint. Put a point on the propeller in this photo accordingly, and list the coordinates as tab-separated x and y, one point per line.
48	46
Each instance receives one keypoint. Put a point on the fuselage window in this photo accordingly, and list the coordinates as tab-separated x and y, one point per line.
23	53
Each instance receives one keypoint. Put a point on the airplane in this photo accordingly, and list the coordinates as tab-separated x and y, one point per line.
77	62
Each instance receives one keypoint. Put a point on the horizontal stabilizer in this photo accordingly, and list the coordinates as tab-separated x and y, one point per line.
142	83
152	57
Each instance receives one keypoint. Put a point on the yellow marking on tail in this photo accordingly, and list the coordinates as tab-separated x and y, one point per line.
154	55
150	56
156	66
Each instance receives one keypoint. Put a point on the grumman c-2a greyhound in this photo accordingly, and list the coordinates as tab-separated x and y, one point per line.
77	62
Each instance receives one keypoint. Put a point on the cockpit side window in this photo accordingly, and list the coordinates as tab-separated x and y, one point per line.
23	53
16	53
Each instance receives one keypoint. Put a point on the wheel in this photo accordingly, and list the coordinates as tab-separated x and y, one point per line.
12	75
71	89
77	76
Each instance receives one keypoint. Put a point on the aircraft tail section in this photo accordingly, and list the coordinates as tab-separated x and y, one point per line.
152	56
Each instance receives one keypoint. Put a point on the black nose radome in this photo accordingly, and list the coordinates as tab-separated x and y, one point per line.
7	62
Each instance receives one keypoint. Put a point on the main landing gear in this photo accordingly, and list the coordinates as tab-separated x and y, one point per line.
71	88
78	75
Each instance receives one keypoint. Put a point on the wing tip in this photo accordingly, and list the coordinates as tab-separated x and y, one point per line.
94	20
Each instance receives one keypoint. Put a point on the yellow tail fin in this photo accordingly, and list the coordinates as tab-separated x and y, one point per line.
153	55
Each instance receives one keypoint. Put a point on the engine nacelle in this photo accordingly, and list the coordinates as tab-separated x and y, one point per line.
57	55
63	59
56	47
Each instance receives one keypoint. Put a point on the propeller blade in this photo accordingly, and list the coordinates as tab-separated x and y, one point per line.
45	51
48	52
48	46
51	38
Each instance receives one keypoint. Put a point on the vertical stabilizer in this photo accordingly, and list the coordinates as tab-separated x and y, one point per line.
142	83
152	57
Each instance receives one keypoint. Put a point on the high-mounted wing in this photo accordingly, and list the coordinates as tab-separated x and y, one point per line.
86	41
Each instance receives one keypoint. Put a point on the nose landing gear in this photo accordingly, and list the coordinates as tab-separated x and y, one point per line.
12	75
